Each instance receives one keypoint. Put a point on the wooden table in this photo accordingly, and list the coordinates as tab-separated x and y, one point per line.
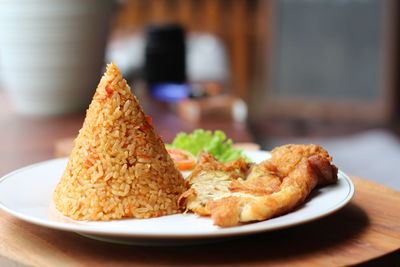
368	228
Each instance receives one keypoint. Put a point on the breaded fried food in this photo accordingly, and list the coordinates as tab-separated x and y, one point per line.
237	192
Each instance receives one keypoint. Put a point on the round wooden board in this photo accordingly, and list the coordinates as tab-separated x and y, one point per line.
369	227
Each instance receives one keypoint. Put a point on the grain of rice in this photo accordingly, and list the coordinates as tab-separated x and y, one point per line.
119	166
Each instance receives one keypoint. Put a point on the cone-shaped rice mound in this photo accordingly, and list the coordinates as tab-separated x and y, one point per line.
119	166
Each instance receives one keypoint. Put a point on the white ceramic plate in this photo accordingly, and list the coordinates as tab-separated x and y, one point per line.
26	194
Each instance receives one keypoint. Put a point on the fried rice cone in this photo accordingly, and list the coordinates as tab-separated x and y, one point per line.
119	167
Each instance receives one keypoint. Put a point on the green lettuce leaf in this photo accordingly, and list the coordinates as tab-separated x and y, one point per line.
215	143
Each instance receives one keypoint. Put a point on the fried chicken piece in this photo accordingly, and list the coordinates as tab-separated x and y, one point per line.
237	192
209	180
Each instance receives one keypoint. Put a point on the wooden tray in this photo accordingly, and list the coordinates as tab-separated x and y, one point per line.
367	228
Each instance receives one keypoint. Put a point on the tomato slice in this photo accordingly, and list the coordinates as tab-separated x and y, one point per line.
184	160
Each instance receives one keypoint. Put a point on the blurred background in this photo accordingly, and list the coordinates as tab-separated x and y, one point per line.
303	71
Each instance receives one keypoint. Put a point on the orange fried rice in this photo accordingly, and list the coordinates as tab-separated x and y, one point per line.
119	166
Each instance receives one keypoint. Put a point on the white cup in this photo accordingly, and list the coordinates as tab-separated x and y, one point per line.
52	52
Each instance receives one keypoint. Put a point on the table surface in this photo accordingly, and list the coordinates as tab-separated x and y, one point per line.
369	227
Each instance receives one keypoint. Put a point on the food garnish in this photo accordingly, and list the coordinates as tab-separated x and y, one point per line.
215	143
184	160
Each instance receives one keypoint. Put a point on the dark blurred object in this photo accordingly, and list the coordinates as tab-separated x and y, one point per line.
165	54
165	68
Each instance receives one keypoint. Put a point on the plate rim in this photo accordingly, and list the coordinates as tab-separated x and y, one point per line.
219	233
